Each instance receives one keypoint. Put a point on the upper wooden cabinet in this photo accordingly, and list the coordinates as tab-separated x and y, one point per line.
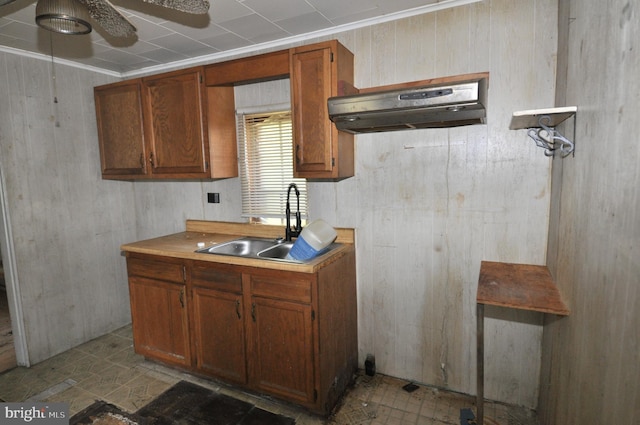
181	124
321	151
159	127
252	69
175	114
121	129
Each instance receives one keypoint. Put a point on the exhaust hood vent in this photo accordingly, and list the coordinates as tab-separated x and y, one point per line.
447	102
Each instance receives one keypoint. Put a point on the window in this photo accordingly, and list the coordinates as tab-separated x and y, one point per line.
266	166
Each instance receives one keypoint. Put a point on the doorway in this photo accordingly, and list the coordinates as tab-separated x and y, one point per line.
13	345
7	349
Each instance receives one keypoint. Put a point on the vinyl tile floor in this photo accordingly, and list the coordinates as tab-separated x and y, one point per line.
107	369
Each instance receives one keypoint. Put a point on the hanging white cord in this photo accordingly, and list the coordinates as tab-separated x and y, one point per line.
53	79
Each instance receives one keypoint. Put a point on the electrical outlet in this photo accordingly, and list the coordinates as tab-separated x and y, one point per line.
213	198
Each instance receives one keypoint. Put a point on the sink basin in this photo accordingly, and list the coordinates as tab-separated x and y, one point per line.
244	247
266	249
278	252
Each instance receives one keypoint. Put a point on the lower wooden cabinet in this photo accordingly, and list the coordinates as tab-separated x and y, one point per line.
159	310
219	334
288	334
282	349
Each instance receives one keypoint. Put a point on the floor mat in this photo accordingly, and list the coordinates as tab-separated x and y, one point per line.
103	413
184	403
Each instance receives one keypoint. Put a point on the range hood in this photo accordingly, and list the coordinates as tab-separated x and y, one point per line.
446	102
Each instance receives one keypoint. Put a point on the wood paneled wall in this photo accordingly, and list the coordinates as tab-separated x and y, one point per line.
429	205
67	224
591	362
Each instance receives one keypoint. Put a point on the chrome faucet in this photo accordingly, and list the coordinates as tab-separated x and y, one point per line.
295	232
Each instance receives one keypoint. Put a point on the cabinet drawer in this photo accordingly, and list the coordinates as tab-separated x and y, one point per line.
220	278
153	269
292	288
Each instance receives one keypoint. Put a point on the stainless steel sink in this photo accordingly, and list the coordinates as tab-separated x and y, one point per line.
277	252
245	247
267	249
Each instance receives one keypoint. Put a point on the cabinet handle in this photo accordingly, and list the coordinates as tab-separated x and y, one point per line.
253	311
182	297
142	160
238	309
153	165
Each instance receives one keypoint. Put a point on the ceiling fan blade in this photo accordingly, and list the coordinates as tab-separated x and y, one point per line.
3	2
113	22
196	7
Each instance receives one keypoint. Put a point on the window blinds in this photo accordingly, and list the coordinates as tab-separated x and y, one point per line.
266	165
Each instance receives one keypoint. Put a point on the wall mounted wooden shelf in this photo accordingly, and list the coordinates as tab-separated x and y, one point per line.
531	118
519	286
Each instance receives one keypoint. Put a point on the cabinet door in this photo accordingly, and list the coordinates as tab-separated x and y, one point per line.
120	129
321	151
159	320
176	124
219	334
281	361
310	88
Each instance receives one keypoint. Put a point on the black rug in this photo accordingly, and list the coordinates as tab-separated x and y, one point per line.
184	404
103	413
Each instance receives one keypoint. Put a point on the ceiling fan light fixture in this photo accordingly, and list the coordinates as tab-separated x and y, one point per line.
63	16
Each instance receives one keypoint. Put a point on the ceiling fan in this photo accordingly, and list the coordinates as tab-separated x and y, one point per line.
71	16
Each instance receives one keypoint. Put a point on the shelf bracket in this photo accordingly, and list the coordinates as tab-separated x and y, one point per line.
541	125
550	139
